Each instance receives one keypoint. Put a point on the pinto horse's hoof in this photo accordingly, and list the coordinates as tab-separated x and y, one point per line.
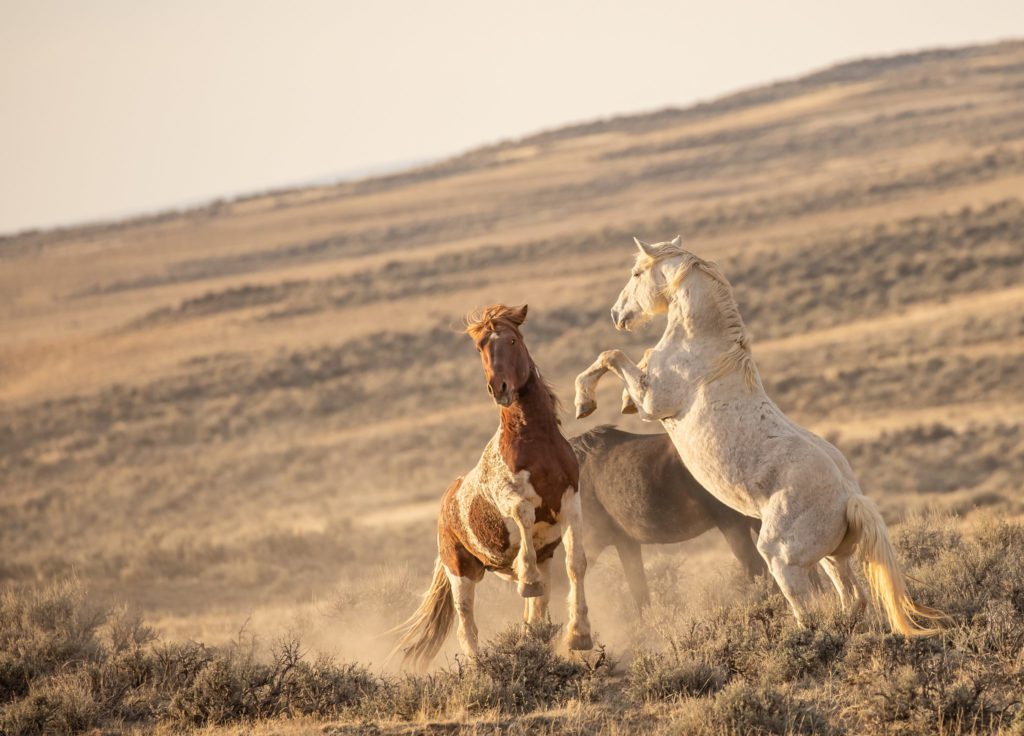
580	642
531	590
628	407
585	409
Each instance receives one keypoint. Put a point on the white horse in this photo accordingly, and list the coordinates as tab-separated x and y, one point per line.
702	384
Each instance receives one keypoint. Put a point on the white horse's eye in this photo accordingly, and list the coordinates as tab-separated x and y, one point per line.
636	274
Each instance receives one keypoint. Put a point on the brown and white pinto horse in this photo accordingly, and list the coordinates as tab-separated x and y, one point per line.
508	513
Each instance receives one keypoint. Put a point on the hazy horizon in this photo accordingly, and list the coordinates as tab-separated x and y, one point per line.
122	109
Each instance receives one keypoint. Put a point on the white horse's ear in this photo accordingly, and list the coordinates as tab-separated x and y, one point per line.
517	314
646	248
677	240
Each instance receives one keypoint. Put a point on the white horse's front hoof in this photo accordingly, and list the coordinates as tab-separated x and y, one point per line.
585	409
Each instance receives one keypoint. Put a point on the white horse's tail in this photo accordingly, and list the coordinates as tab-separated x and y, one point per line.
424	633
888	586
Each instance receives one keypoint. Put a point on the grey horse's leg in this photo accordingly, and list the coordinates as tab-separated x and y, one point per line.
740	540
631	556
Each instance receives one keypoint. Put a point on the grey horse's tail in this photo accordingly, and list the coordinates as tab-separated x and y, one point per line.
424	633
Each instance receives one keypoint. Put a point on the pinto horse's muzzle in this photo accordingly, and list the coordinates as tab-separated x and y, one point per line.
503	396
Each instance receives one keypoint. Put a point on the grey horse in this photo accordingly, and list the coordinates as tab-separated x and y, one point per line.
635	490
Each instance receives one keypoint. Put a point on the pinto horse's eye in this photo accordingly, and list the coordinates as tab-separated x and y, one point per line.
513	341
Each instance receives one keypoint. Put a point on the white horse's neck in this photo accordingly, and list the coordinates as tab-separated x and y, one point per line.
687	326
709	340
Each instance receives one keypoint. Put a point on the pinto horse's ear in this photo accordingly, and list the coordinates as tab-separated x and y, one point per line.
517	314
677	240
646	248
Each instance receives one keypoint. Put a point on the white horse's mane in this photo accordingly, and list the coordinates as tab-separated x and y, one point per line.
738	357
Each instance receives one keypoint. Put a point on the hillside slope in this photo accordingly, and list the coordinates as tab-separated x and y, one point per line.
232	408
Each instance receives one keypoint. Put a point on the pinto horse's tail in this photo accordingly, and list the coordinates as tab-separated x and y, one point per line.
424	633
888	586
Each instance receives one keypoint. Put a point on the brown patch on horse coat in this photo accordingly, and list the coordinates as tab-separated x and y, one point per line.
450	546
488	526
548	550
545	515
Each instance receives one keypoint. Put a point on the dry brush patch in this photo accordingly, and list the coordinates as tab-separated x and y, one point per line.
723	659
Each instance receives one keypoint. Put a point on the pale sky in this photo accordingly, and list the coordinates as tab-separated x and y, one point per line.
111	107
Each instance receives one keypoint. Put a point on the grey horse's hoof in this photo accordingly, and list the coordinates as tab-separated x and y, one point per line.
581	642
531	590
585	409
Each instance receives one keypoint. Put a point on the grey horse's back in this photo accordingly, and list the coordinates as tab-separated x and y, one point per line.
636	486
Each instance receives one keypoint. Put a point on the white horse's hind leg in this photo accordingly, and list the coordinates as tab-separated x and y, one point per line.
795	583
840	572
536	609
576	565
792	574
463	593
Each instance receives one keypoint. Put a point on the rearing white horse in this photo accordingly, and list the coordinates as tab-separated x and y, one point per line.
702	384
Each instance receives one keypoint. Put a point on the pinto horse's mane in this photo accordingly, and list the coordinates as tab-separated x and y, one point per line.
738	357
488	319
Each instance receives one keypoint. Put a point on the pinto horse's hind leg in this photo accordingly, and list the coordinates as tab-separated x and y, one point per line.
463	593
631	556
578	634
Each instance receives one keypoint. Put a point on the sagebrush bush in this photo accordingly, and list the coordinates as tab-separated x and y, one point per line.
659	676
733	661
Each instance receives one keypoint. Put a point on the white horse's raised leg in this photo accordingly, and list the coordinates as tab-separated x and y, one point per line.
463	593
618	363
628	406
586	384
578	635
536	609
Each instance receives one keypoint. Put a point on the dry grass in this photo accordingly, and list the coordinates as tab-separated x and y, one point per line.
729	658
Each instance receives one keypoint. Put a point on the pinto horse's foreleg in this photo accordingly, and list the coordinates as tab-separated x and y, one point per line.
536	609
513	505
463	593
578	635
